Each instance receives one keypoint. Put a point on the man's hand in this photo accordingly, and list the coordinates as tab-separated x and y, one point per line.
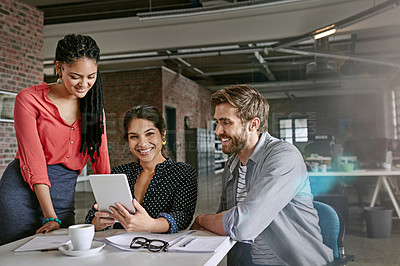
196	224
210	222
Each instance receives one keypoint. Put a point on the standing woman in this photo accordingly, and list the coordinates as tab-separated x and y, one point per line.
165	191
58	126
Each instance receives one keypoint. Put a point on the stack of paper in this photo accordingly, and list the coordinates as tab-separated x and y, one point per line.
123	241
199	244
179	242
44	243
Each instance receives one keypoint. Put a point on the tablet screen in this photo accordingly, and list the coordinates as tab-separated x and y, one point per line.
111	188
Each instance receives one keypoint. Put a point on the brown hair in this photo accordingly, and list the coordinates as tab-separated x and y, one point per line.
248	102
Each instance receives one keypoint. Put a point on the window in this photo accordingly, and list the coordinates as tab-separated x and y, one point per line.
396	112
293	129
7	106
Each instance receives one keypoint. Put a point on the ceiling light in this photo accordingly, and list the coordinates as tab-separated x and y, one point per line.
324	34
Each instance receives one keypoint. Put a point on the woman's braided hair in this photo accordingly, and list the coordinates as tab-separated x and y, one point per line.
69	49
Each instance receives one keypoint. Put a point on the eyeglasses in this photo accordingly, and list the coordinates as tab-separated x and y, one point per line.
154	245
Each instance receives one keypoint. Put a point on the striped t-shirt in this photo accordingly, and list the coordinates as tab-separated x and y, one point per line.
261	250
241	191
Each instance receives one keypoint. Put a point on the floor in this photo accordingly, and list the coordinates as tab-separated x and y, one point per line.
367	251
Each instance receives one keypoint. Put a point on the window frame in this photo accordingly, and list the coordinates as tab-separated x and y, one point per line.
294	138
5	97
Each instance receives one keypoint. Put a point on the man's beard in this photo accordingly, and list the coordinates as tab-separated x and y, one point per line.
238	142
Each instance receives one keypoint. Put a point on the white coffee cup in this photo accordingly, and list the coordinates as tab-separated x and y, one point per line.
81	236
386	165
314	167
323	167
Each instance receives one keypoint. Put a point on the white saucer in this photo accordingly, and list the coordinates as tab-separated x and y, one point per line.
67	249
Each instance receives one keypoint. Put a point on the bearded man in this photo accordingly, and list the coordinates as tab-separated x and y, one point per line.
266	202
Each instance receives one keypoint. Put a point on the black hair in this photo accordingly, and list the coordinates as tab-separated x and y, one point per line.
69	49
150	113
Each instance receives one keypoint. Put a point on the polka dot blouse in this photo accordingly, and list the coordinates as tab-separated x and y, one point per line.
172	192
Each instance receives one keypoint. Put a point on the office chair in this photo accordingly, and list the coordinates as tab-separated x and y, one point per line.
332	230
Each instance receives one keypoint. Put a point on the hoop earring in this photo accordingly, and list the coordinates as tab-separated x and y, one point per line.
59	80
163	141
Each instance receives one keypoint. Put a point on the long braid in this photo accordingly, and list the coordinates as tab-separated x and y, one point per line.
92	119
69	49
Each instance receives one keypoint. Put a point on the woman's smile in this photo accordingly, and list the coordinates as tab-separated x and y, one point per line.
145	152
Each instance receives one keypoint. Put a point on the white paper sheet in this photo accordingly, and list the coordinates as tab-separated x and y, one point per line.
44	243
199	244
123	241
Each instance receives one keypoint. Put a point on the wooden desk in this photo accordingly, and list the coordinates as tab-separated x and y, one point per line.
382	175
109	255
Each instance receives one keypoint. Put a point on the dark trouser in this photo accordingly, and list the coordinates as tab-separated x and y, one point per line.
240	255
20	212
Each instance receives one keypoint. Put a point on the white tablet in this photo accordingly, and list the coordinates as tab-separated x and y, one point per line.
111	188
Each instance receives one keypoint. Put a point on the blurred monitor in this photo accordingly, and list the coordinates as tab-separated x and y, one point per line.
319	144
369	151
394	146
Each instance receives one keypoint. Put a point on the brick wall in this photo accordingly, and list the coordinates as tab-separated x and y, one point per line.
123	90
159	87
21	60
190	100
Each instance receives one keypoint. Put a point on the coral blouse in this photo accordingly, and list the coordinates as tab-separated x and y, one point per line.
44	138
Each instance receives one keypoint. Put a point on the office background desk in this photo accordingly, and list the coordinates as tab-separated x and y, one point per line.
381	174
110	255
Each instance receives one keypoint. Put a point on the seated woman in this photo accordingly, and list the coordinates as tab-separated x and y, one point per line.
165	191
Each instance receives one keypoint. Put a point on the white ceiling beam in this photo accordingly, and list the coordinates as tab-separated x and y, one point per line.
376	61
266	71
346	83
126	35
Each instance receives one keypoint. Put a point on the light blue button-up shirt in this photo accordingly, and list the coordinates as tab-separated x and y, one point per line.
277	213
